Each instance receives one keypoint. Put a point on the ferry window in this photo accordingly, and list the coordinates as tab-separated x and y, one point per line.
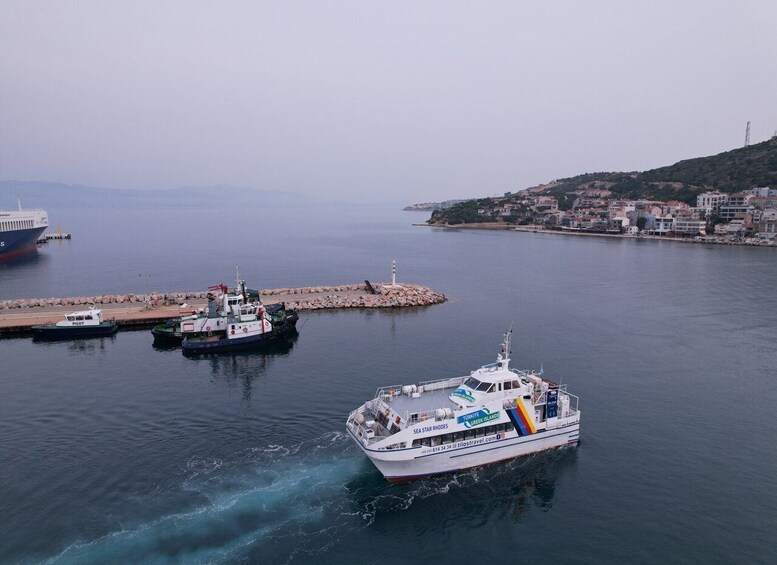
484	386
426	441
516	384
447	438
436	440
89	317
458	436
416	443
472	383
469	434
79	317
508	385
70	318
479	432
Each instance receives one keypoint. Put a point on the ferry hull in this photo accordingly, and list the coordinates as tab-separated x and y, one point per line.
19	242
412	464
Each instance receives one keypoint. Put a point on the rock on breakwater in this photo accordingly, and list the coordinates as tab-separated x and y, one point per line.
356	296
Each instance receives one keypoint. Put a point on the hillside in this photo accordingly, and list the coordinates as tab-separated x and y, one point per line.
738	169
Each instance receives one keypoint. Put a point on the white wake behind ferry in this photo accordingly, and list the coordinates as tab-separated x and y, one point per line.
497	413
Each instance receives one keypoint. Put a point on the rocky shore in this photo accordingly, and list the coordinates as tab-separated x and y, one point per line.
308	298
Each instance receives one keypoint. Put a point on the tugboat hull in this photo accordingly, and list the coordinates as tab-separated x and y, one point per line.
215	344
166	336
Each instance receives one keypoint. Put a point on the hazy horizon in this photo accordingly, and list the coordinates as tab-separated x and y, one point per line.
391	102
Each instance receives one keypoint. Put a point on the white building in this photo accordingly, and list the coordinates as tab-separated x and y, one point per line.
690	226
763	191
659	225
728	213
711	201
767	227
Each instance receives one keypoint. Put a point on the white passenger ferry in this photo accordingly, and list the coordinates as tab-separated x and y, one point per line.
497	413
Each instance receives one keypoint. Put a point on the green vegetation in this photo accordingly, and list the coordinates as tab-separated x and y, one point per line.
739	169
464	213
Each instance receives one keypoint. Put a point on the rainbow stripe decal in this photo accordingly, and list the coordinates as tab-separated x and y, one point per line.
519	416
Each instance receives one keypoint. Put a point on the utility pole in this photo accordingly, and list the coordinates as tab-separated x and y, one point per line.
747	135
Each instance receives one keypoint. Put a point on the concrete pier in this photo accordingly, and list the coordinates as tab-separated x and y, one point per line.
134	310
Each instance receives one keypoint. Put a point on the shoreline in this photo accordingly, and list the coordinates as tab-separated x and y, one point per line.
713	240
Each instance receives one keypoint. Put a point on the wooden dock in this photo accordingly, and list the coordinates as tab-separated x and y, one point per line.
133	311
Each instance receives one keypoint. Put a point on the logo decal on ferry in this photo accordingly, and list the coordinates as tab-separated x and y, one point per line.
521	420
477	418
463	393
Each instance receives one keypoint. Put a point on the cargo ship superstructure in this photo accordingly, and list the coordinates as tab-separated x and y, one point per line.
436	427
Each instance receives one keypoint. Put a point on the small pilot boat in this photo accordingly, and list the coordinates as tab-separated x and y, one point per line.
436	427
85	323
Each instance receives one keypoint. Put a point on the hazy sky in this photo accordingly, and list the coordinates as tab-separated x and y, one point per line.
406	101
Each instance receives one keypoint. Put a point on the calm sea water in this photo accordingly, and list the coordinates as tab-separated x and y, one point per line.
115	452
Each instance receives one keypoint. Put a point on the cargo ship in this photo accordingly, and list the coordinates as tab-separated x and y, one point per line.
20	231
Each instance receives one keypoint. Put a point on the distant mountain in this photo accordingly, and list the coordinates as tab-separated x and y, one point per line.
738	169
35	194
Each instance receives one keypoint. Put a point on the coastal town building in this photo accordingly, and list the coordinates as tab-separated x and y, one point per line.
767	227
747	215
690	226
711	201
659	225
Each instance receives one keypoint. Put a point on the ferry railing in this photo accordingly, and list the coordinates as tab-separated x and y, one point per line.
436	384
361	430
386	394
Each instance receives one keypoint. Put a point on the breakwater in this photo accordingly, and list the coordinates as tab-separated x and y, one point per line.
307	298
134	310
355	296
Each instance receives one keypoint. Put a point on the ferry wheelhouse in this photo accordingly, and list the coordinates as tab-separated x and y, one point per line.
436	427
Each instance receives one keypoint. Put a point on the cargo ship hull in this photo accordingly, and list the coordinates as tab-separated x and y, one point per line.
20	230
19	242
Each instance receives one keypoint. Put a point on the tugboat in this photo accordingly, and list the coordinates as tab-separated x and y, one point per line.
86	323
251	327
497	413
212	320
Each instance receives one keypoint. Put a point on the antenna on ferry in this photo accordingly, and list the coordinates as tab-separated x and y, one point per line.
504	355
